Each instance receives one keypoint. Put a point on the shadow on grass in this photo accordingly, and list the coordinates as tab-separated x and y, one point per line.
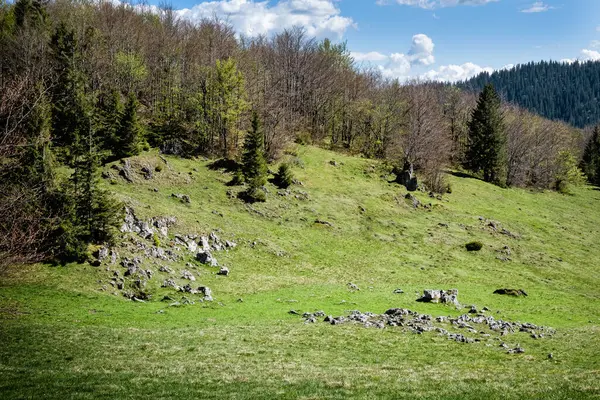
226	164
459	174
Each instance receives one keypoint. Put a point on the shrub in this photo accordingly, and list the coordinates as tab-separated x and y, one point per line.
237	180
284	177
156	240
253	195
474	246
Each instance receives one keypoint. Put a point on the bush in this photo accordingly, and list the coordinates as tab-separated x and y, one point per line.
284	177
237	180
253	195
474	246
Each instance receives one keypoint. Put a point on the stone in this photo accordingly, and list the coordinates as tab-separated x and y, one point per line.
322	222
183	197
449	296
223	271
206	292
185	274
293	312
398	291
205	257
125	170
353	287
511	292
147	172
473	310
412	200
170	283
166	269
113	257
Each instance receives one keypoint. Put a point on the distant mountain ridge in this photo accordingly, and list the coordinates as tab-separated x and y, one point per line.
555	90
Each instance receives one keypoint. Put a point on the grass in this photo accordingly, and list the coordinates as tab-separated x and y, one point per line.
64	338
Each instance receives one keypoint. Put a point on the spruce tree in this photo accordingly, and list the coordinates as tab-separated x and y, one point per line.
130	133
487	142
254	166
590	163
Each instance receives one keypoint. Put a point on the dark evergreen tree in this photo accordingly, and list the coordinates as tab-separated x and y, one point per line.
92	215
555	90
70	104
590	163
254	166
486	142
108	121
130	133
284	177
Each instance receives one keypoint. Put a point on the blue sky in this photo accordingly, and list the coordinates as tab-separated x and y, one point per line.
429	39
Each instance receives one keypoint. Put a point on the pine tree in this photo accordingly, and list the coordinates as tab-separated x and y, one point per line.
130	134
254	166
590	163
284	177
92	215
108	120
487	142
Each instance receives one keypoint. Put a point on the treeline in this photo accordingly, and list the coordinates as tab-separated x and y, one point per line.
84	83
568	92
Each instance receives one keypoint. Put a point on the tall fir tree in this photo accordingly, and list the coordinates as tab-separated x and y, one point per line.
590	163
130	133
108	120
254	166
486	152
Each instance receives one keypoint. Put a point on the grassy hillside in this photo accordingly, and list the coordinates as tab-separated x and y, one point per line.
63	337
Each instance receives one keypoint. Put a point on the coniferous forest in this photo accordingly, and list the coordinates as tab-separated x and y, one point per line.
86	83
563	91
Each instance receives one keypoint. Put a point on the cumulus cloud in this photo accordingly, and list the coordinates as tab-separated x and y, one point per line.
589	55
320	18
595	44
370	56
398	65
455	73
433	4
421	51
537	7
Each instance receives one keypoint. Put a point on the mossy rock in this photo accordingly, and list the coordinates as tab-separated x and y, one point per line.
474	246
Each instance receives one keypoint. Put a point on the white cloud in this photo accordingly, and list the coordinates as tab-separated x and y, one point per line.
589	55
399	64
370	56
455	73
537	7
598	28
421	50
433	4
320	18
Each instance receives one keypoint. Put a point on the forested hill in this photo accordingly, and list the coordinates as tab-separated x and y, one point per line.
555	90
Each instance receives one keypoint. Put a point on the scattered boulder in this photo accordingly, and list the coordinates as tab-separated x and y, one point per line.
206	292
474	246
205	257
125	170
353	287
170	283
183	197
449	296
223	271
322	222
412	200
147	172
398	291
185	274
166	269
511	292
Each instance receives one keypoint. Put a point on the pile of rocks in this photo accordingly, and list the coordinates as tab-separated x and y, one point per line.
472	328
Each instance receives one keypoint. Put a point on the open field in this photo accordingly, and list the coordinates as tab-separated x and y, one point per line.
63	338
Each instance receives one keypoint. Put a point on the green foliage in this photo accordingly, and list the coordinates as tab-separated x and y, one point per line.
486	151
109	117
130	134
29	12
552	89
156	240
568	173
130	69
284	177
237	179
474	246
590	164
230	101
71	107
254	166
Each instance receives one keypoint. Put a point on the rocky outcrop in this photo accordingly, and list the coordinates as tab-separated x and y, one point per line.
449	296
